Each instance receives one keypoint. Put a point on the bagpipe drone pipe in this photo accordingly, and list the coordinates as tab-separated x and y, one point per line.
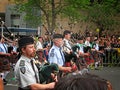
45	71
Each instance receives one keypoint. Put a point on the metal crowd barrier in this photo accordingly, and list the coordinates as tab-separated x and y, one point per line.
112	57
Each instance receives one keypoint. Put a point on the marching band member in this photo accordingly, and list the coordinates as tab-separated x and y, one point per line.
26	71
87	41
56	55
67	47
97	53
80	43
4	52
39	44
68	51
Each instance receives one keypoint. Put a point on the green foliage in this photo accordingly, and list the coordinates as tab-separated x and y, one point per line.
101	13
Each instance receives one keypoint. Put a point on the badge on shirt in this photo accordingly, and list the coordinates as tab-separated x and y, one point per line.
52	53
23	70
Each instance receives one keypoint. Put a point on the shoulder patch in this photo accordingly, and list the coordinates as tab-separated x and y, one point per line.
52	53
22	63
52	50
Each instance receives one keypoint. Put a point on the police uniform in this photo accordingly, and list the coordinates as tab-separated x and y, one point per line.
24	72
56	56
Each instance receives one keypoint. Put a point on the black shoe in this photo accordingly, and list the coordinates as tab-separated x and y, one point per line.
4	82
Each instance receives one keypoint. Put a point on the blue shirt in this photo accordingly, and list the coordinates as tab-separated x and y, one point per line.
55	56
3	48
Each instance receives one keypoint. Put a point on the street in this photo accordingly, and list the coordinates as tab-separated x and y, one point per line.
110	73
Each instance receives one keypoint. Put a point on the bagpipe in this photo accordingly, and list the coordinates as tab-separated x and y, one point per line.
14	56
4	63
45	69
88	58
71	59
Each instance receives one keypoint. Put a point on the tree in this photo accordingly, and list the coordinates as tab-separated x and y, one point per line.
103	13
49	9
100	12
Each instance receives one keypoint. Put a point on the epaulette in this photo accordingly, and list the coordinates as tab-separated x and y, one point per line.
52	50
22	63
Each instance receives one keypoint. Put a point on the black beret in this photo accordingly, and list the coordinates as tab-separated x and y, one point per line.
25	41
57	36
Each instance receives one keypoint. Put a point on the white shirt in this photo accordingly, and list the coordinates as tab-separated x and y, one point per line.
87	43
24	72
39	45
66	47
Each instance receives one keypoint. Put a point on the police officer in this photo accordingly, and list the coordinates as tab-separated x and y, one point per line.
56	55
26	71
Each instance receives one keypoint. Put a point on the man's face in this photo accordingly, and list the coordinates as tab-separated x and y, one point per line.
68	36
29	51
58	42
40	39
80	41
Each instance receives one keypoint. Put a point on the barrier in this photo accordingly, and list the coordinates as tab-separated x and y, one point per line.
112	57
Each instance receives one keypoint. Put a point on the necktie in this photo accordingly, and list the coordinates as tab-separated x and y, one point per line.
34	70
62	55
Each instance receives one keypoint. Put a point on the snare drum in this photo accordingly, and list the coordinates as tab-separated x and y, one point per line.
4	63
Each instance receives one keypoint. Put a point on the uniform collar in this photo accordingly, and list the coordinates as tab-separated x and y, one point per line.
26	58
56	47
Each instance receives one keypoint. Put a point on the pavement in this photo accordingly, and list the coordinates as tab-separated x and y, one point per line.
110	73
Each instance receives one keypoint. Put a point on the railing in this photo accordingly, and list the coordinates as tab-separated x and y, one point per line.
112	57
